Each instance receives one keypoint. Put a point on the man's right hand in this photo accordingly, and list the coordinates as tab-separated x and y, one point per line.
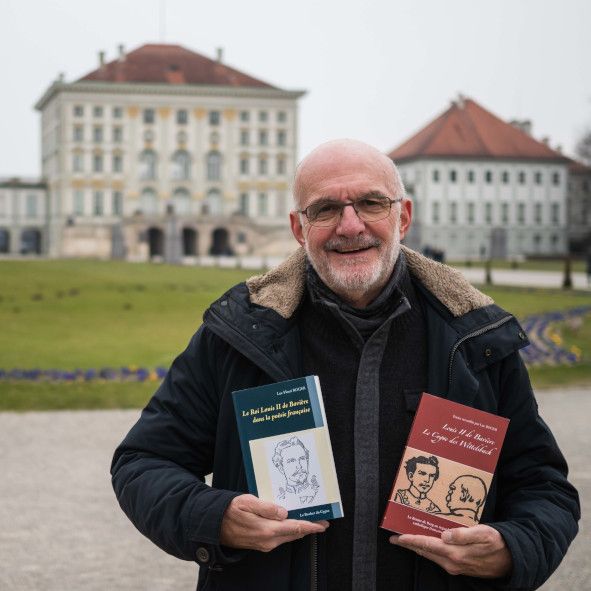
259	525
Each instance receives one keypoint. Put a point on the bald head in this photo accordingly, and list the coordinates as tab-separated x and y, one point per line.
330	156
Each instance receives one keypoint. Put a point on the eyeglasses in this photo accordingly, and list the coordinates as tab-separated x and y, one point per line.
371	208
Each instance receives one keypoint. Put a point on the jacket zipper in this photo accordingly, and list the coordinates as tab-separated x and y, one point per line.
314	565
476	333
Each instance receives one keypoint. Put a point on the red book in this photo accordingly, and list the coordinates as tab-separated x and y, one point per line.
446	469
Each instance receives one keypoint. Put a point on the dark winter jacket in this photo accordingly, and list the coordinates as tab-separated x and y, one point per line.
250	337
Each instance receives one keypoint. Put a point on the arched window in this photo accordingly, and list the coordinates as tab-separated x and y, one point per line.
148	163
181	201
214	202
149	201
181	165
214	166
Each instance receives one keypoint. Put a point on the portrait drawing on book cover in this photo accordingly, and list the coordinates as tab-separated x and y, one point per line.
465	497
297	487
421	472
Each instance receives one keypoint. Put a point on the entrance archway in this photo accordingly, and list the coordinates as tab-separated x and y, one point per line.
30	241
220	243
189	242
156	242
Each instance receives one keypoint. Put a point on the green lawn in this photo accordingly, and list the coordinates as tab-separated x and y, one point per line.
90	314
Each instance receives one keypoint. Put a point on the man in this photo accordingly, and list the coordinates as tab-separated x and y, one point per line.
378	325
465	497
422	472
291	459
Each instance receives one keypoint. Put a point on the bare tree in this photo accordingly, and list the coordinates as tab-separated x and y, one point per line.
583	148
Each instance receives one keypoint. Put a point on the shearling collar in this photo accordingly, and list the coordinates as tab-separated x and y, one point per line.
282	288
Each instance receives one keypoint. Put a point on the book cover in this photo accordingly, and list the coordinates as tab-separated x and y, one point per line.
286	448
446	469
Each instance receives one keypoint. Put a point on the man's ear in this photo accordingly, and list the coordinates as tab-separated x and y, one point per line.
296	227
405	216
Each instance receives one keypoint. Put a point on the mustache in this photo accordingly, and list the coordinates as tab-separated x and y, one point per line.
359	242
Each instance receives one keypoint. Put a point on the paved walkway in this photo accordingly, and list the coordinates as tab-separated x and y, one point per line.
61	528
523	278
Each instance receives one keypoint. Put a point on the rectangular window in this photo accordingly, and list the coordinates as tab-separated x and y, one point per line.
263	137
435	212
97	111
556	213
263	168
244	165
281	116
98	205
244	137
521	213
453	176
538	178
97	134
117	112
281	138
505	177
78	202
214	117
453	212
78	111
488	213
263	116
538	213
471	176
556	178
117	203
505	213
470	213
117	163
281	165
78	135
149	116
243	203
435	176
488	176
521	177
32	205
182	117
117	135
263	204
244	116
77	162
97	163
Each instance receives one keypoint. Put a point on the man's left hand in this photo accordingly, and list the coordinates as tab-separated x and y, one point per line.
477	551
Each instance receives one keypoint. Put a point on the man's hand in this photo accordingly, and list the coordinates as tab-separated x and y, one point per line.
259	525
478	551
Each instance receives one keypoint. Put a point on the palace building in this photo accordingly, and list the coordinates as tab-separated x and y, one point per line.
163	153
484	187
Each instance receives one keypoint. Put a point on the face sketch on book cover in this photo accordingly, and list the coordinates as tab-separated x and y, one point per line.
295	473
442	487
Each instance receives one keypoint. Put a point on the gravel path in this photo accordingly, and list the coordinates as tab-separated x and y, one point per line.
61	528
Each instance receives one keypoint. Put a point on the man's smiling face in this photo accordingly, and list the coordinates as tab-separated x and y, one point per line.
354	258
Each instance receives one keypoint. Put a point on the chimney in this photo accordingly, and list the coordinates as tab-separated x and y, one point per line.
101	56
219	55
461	102
523	124
559	148
121	49
546	140
61	77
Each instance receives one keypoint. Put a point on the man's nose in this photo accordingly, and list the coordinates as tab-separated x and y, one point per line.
349	223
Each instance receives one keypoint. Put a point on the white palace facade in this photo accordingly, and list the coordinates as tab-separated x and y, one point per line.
483	187
165	153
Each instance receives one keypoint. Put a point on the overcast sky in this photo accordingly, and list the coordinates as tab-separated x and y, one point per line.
377	71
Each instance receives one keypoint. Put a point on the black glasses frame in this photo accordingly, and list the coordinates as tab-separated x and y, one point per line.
353	204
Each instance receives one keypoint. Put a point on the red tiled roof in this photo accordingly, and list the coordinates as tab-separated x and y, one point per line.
171	64
576	167
468	130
